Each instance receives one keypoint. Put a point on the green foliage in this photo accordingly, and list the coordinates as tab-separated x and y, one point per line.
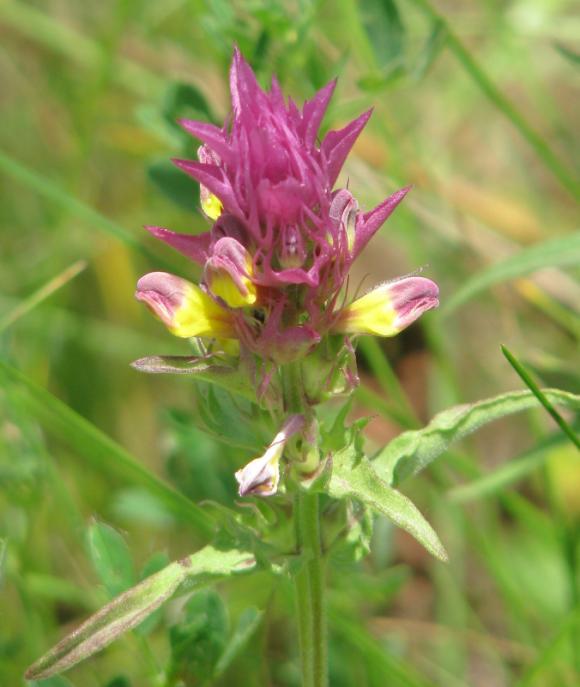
413	451
541	396
353	476
110	557
174	184
558	252
129	609
90	112
102	451
203	369
198	640
384	26
246	627
516	470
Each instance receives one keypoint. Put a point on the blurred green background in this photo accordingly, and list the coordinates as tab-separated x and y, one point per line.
474	105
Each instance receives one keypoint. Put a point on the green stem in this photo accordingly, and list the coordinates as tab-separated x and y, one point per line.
309	588
309	582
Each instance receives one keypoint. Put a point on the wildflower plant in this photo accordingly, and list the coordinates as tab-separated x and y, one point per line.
273	324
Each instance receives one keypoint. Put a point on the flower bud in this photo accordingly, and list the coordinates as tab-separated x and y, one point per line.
228	274
343	212
260	477
183	307
388	309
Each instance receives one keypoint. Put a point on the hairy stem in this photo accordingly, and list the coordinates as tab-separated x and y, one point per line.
309	587
310	580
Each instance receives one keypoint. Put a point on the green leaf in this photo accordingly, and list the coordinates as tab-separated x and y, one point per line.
132	607
199	639
431	50
247	625
413	451
155	564
174	184
98	450
227	377
353	476
184	100
382	23
559	252
110	557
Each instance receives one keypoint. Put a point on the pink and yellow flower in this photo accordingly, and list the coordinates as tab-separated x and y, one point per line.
282	240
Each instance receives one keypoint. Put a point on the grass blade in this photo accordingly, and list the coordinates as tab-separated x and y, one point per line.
57	195
535	389
29	303
507	475
560	252
104	454
541	147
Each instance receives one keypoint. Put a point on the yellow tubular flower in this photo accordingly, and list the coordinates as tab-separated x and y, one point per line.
228	274
211	205
183	307
388	309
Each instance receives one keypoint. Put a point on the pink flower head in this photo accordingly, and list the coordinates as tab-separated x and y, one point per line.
282	239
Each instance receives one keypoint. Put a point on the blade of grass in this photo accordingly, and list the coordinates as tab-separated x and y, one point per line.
570	624
387	378
494	482
29	303
374	653
104	454
54	34
374	401
560	252
535	389
507	108
76	207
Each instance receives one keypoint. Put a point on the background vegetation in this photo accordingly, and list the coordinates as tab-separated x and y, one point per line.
474	106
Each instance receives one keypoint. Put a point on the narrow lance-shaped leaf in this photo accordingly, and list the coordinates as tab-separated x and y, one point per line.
132	607
203	369
559	252
413	451
353	476
110	557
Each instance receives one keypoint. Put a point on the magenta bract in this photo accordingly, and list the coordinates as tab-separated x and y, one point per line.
283	239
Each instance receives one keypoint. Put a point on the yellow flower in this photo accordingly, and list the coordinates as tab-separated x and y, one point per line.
183	307
388	309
